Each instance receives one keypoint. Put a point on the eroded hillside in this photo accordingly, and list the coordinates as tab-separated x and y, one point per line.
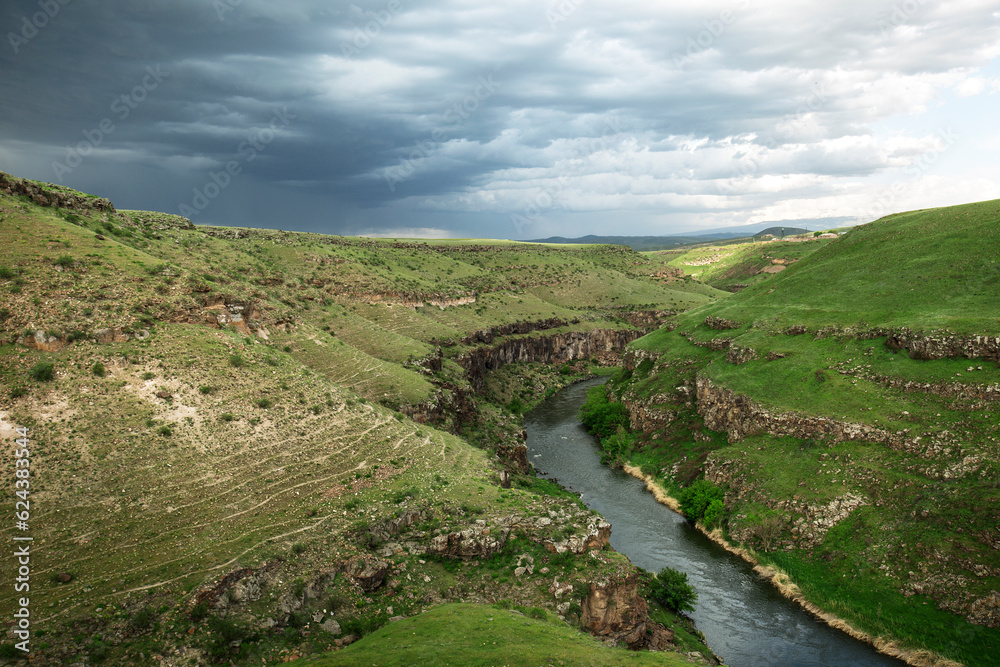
845	413
248	444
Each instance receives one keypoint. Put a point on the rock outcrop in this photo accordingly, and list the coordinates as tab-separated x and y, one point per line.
596	536
478	541
222	312
43	196
554	349
721	324
944	346
735	414
614	609
42	341
486	336
239	586
367	572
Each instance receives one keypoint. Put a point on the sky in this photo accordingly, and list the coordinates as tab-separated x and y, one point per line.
522	119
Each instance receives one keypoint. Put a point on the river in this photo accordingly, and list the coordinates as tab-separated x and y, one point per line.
744	619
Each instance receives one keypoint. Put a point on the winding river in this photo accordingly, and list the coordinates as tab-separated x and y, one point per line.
744	619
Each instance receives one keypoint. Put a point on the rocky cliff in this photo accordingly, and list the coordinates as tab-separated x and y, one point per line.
737	415
554	349
53	195
615	609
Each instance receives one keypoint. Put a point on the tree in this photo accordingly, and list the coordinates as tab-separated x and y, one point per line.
672	590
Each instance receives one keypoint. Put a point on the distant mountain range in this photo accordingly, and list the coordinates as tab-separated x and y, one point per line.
646	243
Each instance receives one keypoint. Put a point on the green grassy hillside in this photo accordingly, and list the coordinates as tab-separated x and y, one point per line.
466	635
930	269
736	265
222	465
870	474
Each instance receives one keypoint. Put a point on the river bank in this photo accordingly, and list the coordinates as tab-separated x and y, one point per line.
744	620
790	591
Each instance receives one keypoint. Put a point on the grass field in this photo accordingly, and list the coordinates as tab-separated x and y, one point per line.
466	635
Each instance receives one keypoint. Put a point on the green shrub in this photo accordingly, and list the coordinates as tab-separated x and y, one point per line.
403	494
236	361
18	392
227	417
43	371
206	389
696	499
601	417
672	590
616	447
142	619
65	260
98	651
264	403
157	268
199	612
714	514
98	369
227	639
6	272
165	431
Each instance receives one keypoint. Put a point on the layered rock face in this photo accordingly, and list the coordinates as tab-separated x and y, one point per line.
555	349
737	415
944	346
614	609
12	185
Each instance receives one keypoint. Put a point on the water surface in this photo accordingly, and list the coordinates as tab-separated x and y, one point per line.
744	619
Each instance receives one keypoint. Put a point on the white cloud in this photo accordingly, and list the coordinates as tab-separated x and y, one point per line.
974	85
408	233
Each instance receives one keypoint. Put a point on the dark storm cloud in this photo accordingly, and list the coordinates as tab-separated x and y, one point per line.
462	116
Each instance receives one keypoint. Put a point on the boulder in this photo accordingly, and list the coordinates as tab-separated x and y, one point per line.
614	609
473	542
368	573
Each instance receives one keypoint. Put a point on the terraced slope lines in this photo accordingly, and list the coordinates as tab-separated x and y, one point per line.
253	444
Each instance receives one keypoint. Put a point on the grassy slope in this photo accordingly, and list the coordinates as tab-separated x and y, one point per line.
920	547
266	451
930	269
736	265
467	635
